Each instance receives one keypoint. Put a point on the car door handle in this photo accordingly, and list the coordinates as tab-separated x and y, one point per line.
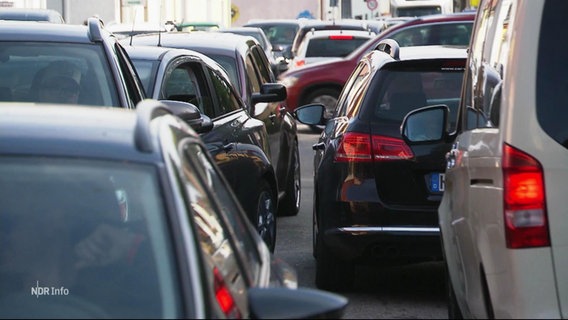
318	146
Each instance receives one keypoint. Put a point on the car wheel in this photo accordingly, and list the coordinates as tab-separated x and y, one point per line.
332	274
266	215
290	204
327	97
454	311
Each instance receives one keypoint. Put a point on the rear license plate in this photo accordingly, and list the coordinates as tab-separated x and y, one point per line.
437	182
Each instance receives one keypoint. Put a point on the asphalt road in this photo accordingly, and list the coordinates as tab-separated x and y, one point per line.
402	292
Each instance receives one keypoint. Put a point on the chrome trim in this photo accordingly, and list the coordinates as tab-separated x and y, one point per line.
390	229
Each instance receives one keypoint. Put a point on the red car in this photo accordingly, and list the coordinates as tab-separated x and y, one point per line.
322	82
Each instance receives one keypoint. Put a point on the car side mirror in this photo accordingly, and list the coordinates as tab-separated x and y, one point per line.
191	114
300	303
427	124
270	92
310	114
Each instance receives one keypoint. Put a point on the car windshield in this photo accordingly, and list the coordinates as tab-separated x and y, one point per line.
53	211
53	72
333	46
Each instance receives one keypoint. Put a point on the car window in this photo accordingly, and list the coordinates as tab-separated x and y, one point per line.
404	90
67	204
331	46
133	87
216	239
230	208
253	83
26	69
445	34
551	93
262	64
230	66
224	93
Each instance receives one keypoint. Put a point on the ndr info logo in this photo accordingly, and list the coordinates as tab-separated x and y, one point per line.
48	291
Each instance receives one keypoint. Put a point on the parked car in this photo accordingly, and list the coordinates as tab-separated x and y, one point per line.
31	14
130	219
503	214
281	33
250	73
235	139
322	82
375	196
342	24
325	45
260	36
79	64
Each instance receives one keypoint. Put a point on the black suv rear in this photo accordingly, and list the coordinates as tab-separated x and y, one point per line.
375	196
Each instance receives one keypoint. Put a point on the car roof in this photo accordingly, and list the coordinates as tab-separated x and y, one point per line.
212	42
48	32
31	14
62	130
326	33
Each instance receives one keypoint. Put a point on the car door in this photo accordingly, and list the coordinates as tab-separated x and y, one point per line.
277	121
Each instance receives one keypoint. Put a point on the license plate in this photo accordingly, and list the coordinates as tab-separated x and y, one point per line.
437	182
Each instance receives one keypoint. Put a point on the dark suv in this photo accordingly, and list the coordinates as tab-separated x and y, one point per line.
49	62
376	196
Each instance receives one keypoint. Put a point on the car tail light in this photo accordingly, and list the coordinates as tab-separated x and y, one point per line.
224	297
361	147
300	63
340	37
526	224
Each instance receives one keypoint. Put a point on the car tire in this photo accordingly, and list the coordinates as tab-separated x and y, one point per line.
326	96
266	215
454	311
290	203
332	274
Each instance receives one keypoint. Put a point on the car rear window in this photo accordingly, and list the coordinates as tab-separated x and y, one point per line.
552	70
333	46
401	90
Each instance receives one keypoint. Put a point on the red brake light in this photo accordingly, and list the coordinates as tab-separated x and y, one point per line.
224	297
300	63
526	223
360	147
340	37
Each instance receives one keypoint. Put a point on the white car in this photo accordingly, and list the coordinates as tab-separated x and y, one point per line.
322	45
504	213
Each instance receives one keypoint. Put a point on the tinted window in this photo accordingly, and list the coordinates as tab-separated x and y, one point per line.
447	33
25	69
552	79
403	90
228	100
329	47
52	210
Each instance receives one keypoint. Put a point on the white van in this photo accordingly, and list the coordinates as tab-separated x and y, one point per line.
416	8
504	212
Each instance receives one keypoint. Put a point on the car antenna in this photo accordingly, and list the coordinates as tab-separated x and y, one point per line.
133	22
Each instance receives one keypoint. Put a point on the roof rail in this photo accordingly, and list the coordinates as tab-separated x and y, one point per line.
147	110
390	47
95	25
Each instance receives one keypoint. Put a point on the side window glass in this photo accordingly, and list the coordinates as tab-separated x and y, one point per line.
344	96
227	98
185	82
263	65
230	207
253	79
133	85
213	233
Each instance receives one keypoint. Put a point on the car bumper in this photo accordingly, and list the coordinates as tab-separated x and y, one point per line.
379	244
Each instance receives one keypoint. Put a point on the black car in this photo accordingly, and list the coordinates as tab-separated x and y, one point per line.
236	140
53	62
250	73
130	219
375	195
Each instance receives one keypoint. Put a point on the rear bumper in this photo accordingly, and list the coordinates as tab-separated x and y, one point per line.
379	244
